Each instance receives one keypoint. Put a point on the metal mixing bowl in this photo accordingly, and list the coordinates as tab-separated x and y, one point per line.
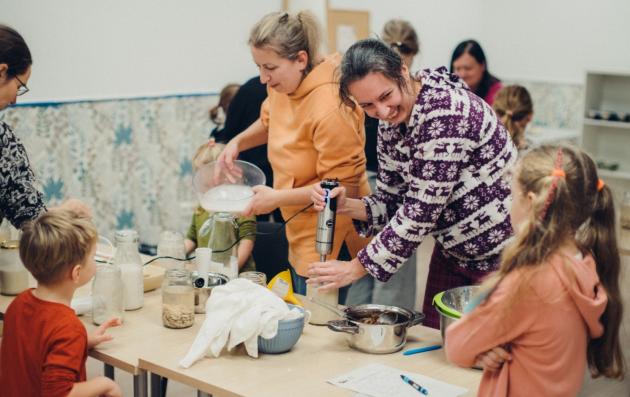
455	300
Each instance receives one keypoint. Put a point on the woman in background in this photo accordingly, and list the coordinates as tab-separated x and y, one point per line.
309	134
218	113
513	105
469	63
20	200
400	289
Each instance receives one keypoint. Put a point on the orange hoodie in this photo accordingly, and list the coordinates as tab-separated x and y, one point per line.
547	329
313	136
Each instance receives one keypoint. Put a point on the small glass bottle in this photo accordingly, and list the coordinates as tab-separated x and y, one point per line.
625	211
171	244
13	274
107	294
259	278
128	258
178	299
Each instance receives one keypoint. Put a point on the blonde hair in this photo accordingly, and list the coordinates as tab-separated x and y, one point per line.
54	242
206	153
513	104
570	205
225	98
401	36
288	34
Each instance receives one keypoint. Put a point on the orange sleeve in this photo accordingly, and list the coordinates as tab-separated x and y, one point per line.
65	361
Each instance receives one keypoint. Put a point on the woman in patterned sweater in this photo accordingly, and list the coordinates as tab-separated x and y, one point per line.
443	158
20	200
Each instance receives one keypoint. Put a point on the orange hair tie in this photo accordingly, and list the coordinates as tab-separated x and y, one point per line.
558	172
600	184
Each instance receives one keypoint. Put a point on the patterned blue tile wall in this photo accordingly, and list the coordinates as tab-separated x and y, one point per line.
130	160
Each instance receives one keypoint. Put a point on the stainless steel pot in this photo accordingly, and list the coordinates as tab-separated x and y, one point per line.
376	338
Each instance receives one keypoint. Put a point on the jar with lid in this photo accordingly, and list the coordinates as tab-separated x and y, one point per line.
259	278
178	299
107	294
128	259
625	211
13	274
171	244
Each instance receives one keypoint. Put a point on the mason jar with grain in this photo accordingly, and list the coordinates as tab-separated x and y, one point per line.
178	299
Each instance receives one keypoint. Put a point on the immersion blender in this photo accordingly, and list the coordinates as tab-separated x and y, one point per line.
326	221
324	246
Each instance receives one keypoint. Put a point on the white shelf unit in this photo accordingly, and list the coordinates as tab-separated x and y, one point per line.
608	141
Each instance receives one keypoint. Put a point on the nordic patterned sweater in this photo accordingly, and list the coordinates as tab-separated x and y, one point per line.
443	174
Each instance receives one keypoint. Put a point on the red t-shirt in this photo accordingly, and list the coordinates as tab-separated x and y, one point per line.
44	348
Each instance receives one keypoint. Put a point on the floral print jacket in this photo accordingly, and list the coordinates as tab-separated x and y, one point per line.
20	200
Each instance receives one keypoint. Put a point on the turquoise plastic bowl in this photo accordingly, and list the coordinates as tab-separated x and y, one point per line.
289	331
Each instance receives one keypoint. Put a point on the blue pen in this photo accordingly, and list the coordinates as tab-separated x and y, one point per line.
421	350
413	384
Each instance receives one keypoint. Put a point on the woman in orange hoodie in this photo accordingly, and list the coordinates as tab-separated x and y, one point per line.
309	134
554	306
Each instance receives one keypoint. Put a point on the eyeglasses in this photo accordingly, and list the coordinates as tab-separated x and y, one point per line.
22	89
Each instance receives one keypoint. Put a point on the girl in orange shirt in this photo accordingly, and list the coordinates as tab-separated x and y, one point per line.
554	306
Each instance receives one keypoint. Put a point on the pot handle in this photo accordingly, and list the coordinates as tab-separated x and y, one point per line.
343	326
416	319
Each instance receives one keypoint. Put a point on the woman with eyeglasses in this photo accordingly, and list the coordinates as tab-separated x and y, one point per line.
20	200
310	134
400	289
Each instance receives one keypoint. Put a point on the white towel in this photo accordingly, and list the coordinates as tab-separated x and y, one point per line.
238	311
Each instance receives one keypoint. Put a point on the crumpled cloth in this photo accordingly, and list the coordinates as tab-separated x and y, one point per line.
238	312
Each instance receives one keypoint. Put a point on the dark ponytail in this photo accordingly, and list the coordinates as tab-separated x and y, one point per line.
14	51
599	236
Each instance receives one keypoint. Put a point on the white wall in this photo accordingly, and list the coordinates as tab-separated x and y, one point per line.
90	49
87	49
555	40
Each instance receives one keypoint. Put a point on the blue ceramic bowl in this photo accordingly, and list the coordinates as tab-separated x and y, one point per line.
289	331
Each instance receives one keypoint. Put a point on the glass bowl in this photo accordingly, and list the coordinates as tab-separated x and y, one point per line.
220	189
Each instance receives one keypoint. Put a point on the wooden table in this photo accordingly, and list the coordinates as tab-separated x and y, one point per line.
319	355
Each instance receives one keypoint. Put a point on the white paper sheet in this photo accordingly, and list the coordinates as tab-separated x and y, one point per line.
379	380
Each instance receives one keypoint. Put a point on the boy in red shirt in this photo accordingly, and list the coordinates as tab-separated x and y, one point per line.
44	346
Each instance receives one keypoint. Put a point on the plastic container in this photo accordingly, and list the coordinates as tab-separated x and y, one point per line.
289	331
128	259
178	299
107	294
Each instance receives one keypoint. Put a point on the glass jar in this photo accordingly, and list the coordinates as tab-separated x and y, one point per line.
171	244
625	211
128	259
259	278
178	299
107	294
222	241
13	274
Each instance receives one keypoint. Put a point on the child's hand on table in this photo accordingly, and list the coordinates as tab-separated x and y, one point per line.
99	336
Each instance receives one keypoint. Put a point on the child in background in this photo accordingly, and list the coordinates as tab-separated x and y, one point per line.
219	112
246	232
513	105
554	305
45	346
